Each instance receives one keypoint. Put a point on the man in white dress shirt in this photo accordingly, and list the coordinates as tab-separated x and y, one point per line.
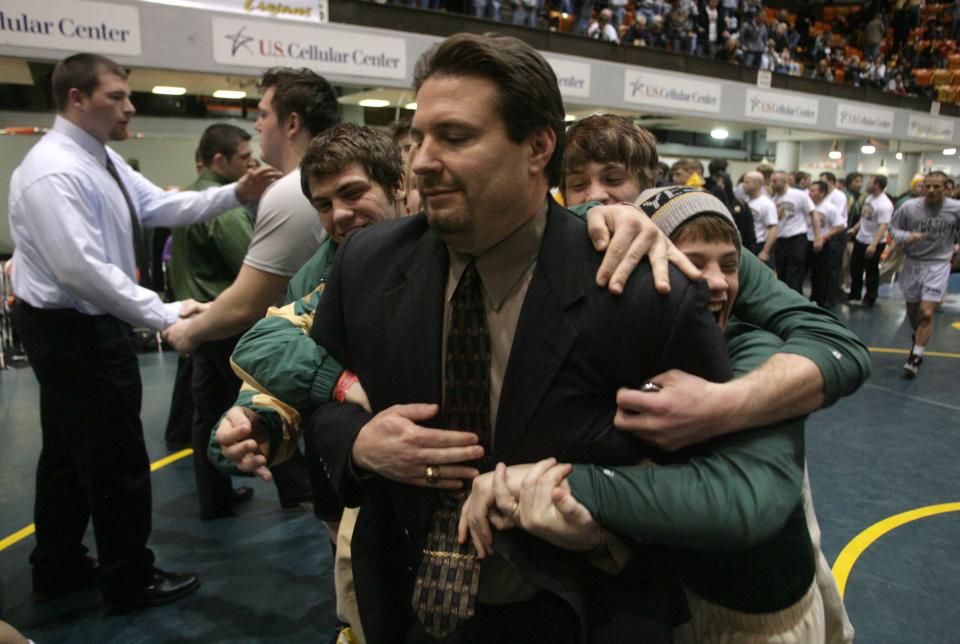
76	213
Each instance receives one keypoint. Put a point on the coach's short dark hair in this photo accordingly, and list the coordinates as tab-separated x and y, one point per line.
880	180
83	72
529	98
331	152
831	178
821	185
303	92
220	138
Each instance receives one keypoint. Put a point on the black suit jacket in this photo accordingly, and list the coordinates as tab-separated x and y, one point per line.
381	316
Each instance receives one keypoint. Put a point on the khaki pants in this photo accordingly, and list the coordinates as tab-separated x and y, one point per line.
710	623
347	609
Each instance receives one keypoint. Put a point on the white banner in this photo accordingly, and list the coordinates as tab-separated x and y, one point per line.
674	92
323	49
857	118
934	129
573	77
72	25
782	108
308	10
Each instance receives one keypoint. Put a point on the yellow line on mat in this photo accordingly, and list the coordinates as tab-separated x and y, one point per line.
844	563
23	533
938	354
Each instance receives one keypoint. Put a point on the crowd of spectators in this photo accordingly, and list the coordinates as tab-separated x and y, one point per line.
893	45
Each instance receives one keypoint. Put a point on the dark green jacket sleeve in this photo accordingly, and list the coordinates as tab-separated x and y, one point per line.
282	368
805	328
737	492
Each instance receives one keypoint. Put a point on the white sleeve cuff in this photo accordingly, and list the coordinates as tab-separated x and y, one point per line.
171	313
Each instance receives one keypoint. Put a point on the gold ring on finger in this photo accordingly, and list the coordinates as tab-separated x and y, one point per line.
431	473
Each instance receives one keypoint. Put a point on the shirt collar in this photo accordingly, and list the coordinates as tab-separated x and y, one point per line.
503	265
81	138
209	175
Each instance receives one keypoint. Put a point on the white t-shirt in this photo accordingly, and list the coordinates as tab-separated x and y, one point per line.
288	230
764	214
829	216
876	212
839	199
793	208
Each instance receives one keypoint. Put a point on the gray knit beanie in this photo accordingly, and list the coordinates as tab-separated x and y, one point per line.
672	206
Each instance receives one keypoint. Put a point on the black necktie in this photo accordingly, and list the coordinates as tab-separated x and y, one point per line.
139	253
449	576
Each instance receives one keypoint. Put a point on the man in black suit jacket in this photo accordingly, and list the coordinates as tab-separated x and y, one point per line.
489	125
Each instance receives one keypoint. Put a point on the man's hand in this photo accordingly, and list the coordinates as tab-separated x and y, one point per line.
394	446
763	256
685	411
914	237
871	250
480	508
545	508
178	335
190	307
634	236
818	245
252	184
243	442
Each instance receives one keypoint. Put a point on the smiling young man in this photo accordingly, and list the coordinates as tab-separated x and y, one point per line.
76	212
607	159
729	512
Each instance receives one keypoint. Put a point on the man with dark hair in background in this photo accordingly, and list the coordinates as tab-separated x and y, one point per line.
820	240
76	216
400	133
297	104
205	259
869	240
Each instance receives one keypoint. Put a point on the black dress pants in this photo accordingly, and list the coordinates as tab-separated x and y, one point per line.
790	256
818	263
93	462
860	264
180	422
214	389
836	247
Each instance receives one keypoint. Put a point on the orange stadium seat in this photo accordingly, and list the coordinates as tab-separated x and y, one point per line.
924	77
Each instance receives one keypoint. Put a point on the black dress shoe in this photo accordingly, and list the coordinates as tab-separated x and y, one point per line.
47	587
242	495
163	588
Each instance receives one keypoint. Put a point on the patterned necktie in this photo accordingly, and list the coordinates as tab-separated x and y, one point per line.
139	253
449	576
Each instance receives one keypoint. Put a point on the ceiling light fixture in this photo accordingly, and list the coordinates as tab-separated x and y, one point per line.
949	152
373	102
868	149
569	117
835	154
899	156
168	90
233	94
410	106
719	133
